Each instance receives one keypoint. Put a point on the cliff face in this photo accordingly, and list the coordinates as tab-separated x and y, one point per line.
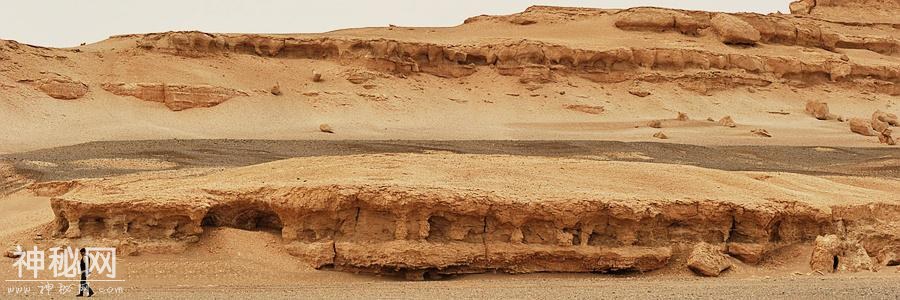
850	11
431	217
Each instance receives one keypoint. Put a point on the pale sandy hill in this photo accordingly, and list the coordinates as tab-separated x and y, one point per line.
494	77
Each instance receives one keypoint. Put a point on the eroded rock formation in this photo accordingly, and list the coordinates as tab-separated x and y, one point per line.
694	69
412	228
175	96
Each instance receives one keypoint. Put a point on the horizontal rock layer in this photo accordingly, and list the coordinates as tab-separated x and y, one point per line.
697	69
391	230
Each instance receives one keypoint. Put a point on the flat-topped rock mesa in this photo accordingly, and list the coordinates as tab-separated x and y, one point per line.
697	68
425	215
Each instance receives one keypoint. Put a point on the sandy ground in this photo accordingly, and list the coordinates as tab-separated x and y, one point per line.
110	158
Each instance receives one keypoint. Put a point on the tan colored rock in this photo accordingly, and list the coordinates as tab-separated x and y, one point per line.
12	252
360	77
588	109
708	260
326	128
661	135
817	109
761	132
733	30
682	117
175	96
861	126
63	89
275	90
655	124
889	118
832	254
802	7
750	253
879	125
537	75
639	90
316	76
886	137
727	121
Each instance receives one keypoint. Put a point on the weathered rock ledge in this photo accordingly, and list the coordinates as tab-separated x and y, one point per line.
416	228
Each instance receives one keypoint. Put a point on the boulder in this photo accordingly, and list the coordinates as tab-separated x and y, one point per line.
708	260
886	137
861	126
733	30
802	6
639	90
879	125
748	252
832	254
817	109
360	77
660	135
727	121
890	119
62	89
326	128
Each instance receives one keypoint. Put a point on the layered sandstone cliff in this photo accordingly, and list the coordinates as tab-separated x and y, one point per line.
451	214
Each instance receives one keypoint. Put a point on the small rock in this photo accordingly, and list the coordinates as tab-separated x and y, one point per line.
708	260
12	252
727	121
819	110
655	124
761	132
360	77
710	119
316	76
844	57
276	90
660	135
638	90
326	128
682	117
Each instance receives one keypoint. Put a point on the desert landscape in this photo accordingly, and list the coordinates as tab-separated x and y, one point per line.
556	152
